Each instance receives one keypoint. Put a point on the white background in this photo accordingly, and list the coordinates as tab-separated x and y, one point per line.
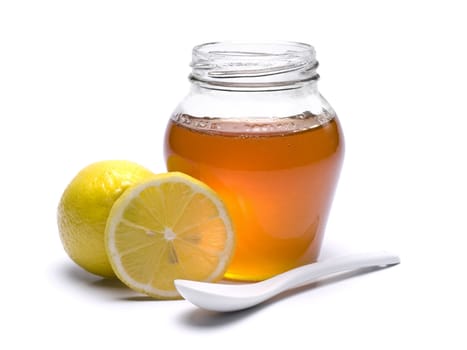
82	81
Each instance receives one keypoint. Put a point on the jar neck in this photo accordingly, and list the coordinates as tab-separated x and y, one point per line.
237	66
302	88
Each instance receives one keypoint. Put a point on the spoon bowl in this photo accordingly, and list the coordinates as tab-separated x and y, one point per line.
234	297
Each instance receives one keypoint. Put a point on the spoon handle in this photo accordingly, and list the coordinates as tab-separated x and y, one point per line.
307	274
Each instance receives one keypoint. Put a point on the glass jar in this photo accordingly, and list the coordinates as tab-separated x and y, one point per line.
255	128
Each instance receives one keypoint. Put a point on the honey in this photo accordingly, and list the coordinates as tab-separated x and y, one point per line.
277	177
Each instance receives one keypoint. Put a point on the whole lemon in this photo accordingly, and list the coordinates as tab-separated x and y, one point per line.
84	208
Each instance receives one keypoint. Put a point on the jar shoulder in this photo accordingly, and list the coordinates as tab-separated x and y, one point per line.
201	102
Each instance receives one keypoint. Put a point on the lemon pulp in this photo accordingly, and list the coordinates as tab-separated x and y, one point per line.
169	227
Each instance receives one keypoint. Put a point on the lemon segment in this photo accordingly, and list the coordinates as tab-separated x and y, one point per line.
169	227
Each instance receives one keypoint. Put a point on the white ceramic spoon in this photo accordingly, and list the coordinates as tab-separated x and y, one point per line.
233	297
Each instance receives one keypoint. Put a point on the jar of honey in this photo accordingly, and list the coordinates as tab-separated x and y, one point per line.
255	128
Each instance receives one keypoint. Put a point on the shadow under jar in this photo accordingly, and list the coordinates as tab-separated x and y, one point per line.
255	128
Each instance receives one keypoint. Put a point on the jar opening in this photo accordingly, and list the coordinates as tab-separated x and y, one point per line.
253	64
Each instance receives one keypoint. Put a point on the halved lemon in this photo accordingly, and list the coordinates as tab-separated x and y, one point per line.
169	227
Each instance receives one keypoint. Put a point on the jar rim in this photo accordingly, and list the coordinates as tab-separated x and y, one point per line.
263	48
244	63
